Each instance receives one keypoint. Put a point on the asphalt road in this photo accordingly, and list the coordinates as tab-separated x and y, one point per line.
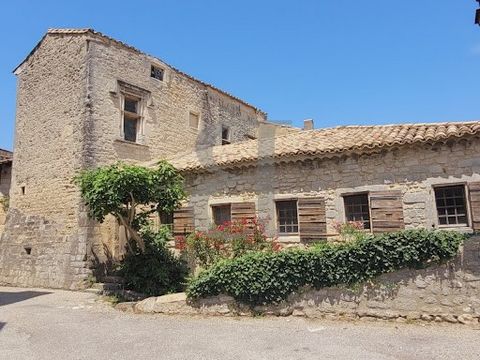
52	324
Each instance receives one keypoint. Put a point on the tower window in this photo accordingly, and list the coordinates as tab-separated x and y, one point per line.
225	135
156	73
131	118
194	120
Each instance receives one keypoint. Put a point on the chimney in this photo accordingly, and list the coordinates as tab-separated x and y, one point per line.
308	124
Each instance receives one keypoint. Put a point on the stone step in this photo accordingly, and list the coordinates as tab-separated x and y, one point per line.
93	291
107	286
112	279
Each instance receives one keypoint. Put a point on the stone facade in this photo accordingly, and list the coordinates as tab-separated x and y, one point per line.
5	180
69	112
413	170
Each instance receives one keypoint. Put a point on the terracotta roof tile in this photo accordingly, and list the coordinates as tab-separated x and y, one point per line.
324	142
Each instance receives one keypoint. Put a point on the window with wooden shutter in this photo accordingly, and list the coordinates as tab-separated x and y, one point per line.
287	217
386	209
183	221
451	205
221	214
474	191
312	219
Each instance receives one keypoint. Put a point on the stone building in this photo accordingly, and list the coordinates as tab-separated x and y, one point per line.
86	100
388	177
5	176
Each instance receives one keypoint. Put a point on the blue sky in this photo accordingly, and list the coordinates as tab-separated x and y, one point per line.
337	61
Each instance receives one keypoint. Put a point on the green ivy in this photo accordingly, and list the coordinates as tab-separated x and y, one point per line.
263	278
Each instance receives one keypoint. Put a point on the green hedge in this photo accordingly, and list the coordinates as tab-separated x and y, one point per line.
262	278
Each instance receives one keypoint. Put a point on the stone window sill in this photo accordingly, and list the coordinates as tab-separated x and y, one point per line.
126	142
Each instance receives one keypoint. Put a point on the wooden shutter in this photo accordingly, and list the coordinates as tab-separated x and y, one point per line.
312	219
474	192
244	210
386	210
183	221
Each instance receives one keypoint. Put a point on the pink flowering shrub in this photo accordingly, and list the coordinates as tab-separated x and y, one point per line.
228	241
350	230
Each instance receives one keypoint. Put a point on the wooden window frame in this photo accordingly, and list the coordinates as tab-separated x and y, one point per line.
137	116
358	194
217	206
278	225
468	220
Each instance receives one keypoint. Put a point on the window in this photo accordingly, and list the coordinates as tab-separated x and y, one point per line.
225	135
451	205
287	217
194	120
157	73
221	214
357	209
166	218
131	118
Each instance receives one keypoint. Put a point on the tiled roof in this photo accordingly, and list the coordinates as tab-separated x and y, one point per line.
324	143
5	156
96	33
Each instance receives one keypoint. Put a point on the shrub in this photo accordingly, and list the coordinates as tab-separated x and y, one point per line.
156	271
228	241
261	278
350	230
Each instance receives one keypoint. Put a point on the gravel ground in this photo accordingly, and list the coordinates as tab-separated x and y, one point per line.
55	324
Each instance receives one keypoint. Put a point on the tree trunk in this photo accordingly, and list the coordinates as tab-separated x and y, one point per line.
133	233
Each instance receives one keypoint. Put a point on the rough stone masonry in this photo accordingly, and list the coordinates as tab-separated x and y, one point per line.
70	103
86	100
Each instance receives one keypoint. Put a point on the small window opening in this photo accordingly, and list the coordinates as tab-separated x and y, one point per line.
287	217
194	120
357	208
451	205
23	190
221	214
166	219
28	250
225	135
131	118
156	73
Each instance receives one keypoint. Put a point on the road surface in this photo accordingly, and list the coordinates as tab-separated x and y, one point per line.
54	324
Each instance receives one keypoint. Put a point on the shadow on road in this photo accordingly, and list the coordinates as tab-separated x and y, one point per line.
7	298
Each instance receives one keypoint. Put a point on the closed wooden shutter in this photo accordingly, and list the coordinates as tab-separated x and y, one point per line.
386	209
312	219
243	210
183	221
474	192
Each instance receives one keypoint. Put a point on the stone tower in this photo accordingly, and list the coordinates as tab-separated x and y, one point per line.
85	100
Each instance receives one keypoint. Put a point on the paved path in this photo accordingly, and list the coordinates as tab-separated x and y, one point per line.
51	324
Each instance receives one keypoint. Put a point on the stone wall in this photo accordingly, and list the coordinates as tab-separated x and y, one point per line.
411	169
447	292
168	104
68	119
5	180
45	238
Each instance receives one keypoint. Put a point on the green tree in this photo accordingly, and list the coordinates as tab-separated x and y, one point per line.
131	193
